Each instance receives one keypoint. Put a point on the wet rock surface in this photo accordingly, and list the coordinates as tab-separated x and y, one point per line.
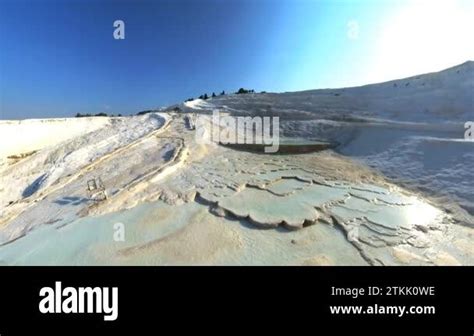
182	202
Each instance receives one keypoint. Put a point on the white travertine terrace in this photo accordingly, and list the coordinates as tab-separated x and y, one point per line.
184	202
177	196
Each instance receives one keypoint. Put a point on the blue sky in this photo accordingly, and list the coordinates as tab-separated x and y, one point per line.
58	58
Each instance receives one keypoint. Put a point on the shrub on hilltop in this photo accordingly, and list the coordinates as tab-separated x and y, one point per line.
102	114
244	91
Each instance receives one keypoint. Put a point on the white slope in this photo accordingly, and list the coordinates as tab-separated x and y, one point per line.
181	202
23	136
445	96
61	161
411	129
197	104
